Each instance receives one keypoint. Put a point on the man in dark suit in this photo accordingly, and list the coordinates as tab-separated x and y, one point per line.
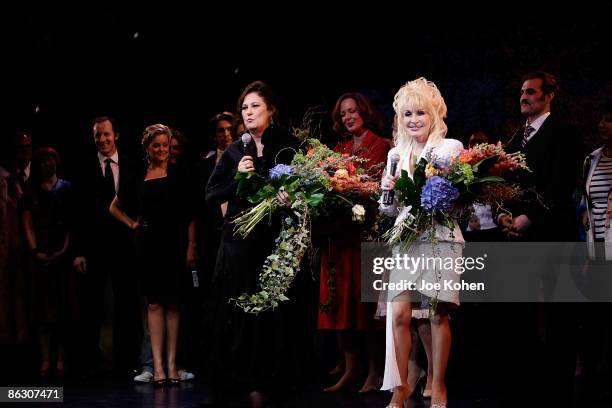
221	131
552	151
104	248
210	219
540	339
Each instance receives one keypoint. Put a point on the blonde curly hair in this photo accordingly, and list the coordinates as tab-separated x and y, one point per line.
154	130
419	94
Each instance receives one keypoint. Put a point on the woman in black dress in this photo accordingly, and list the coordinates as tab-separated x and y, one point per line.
255	351
165	244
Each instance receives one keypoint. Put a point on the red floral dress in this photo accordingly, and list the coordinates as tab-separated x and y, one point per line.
342	256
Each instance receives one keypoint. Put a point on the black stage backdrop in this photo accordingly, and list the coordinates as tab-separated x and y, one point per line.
63	65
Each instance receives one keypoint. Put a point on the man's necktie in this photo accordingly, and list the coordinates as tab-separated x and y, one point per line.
109	180
528	131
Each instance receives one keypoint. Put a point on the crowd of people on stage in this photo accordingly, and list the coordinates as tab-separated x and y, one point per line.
159	232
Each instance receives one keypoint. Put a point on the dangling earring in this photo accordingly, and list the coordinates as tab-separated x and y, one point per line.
271	121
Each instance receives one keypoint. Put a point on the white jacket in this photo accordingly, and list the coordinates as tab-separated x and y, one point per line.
444	151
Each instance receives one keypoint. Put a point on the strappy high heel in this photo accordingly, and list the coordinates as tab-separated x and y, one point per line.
404	402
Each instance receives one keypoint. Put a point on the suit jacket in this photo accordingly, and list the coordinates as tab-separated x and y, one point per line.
553	154
97	233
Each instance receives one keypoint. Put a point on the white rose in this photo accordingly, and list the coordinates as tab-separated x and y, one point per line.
358	213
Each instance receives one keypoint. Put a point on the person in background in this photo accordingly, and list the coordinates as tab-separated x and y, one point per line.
165	245
545	214
104	249
22	159
46	220
178	147
14	284
354	117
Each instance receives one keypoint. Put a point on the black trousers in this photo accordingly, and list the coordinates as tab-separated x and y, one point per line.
535	351
127	326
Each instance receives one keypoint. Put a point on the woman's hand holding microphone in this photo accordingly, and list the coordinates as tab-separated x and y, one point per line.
246	164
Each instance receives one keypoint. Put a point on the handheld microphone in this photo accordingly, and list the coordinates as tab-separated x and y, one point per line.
246	139
389	195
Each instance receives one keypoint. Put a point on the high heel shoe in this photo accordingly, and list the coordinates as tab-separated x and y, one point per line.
174	381
398	404
402	404
159	383
421	383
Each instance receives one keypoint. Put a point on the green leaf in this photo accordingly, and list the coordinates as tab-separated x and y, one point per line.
249	185
483	165
315	199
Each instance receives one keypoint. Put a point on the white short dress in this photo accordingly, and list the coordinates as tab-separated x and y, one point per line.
449	245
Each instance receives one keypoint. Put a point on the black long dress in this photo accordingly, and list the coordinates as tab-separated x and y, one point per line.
164	211
254	352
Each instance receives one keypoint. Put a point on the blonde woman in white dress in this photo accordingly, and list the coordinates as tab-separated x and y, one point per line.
420	111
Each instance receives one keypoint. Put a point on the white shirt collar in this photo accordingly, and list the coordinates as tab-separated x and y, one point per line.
26	171
537	124
114	158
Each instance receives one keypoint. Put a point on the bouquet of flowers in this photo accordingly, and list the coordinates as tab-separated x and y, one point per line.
317	181
439	191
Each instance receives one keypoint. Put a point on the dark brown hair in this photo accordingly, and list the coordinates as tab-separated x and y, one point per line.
112	121
372	120
265	92
39	156
227	116
549	82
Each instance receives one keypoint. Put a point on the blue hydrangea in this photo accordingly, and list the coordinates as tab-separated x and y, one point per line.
438	194
280	170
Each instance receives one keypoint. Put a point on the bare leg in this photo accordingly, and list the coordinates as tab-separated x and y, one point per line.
347	341
414	371
341	366
172	326
424	327
59	365
374	345
441	342
45	362
157	331
402	313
